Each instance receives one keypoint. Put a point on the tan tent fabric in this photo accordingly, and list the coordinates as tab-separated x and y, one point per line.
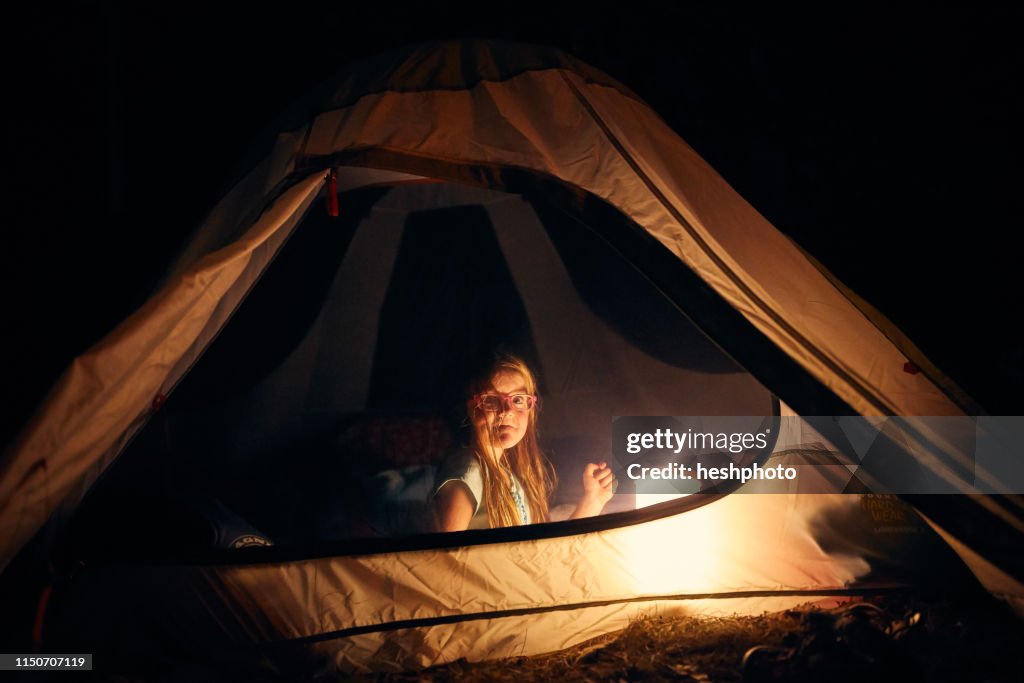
562	123
732	556
99	401
688	207
733	544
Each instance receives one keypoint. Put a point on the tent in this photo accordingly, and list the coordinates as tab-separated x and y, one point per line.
476	193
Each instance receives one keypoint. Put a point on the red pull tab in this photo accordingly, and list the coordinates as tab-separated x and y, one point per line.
158	401
910	368
332	193
37	624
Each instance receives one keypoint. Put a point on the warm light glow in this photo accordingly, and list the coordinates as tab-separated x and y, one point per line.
644	500
737	544
676	554
650	492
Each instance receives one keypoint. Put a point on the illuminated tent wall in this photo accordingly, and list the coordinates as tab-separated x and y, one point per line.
513	132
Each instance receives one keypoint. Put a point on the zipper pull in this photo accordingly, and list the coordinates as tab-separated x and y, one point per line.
332	193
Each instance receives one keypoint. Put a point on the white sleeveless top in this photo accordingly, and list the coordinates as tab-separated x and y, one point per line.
462	465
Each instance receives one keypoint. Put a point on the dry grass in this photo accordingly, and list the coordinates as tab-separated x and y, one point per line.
902	639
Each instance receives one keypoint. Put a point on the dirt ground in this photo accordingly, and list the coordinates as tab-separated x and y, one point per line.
890	638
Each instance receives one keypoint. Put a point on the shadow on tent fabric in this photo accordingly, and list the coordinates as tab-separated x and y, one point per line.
450	277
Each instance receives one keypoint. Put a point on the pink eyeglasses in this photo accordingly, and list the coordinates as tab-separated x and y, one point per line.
496	403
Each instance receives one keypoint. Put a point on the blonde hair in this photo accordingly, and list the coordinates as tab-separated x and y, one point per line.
525	460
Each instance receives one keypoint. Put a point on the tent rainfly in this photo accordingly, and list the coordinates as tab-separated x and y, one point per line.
483	193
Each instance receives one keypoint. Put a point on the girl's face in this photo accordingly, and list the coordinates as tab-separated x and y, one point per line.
507	424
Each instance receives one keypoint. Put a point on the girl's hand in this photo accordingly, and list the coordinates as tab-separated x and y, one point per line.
597	481
598	484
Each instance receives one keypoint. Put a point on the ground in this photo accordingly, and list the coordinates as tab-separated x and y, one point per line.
891	638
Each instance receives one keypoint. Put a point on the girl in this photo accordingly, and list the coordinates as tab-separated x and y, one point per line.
502	478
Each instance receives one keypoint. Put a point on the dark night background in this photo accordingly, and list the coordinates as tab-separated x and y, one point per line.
888	144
